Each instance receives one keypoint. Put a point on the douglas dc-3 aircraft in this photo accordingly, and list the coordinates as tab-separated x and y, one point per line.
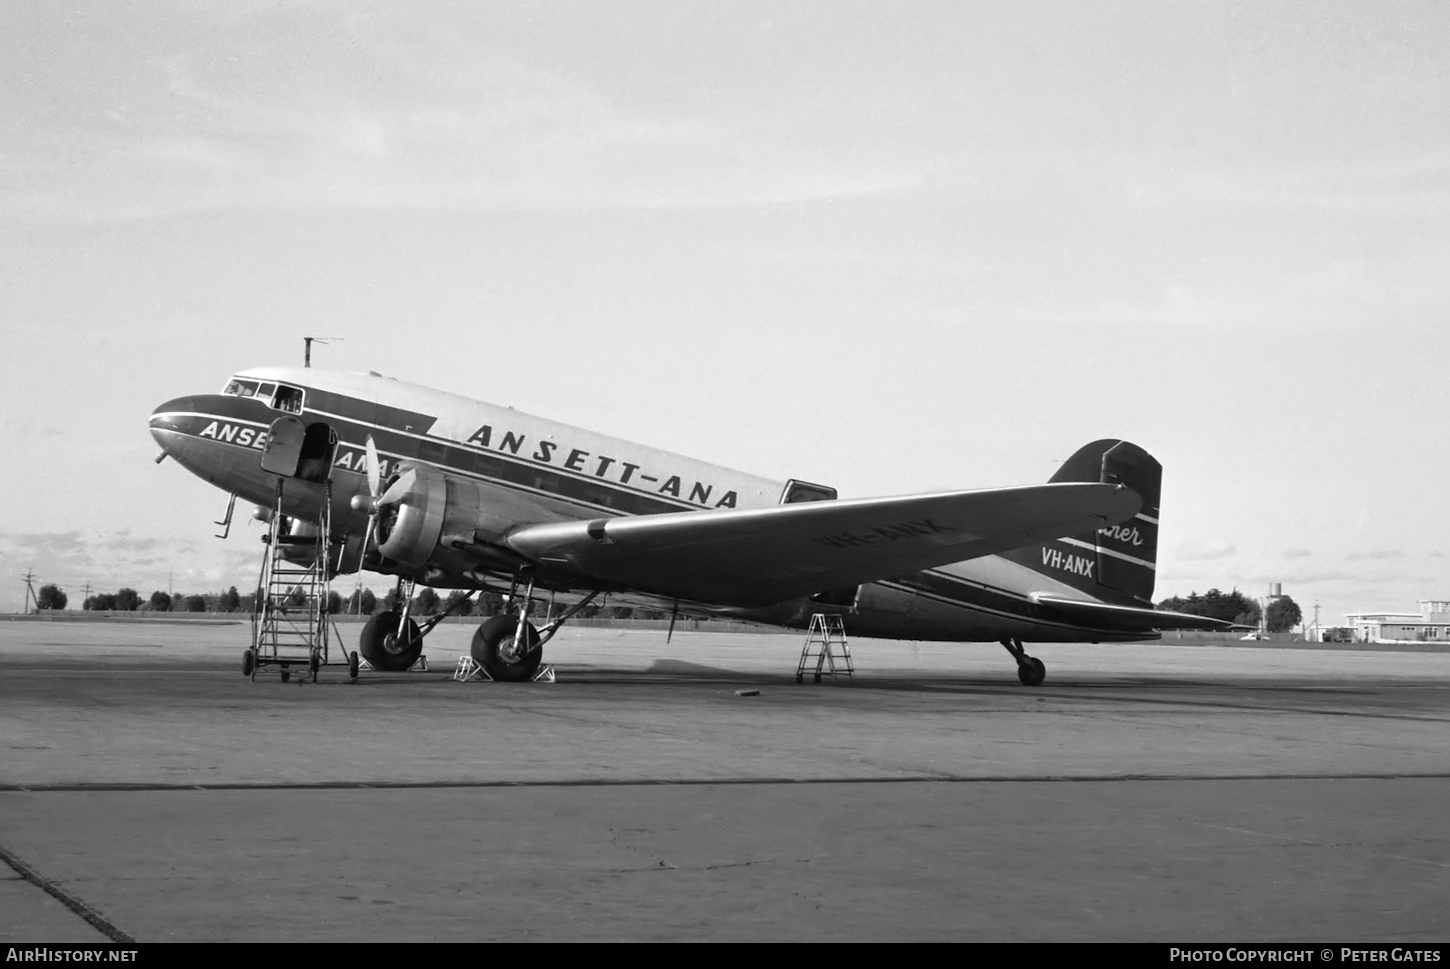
454	493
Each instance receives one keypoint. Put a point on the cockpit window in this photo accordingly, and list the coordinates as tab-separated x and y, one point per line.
241	388
288	399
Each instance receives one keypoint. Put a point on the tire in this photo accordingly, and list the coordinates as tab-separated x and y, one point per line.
314	663
1031	672
353	665
249	662
490	644
286	674
395	656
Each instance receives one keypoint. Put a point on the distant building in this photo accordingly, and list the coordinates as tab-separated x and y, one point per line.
1430	625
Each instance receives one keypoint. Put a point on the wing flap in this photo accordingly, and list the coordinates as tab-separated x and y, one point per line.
1126	618
757	556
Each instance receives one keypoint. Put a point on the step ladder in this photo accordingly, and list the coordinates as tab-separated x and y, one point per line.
290	622
825	650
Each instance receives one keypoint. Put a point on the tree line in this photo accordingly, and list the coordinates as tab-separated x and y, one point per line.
363	602
1283	613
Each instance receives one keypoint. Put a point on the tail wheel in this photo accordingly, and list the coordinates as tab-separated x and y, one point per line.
1031	671
388	647
493	649
249	662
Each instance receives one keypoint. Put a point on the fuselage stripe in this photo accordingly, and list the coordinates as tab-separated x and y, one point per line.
1107	551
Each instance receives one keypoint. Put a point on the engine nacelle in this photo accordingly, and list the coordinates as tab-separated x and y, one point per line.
452	523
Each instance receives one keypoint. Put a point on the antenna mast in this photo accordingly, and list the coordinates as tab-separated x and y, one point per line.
307	342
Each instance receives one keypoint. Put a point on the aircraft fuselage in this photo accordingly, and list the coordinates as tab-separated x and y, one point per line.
563	473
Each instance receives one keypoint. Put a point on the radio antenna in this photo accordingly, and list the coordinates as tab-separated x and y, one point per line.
307	342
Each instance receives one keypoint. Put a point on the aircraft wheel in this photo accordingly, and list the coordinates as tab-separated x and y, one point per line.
286	674
494	640
1031	671
314	663
388	648
353	665
249	662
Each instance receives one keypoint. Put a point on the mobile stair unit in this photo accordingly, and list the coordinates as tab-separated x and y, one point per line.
290	623
825	651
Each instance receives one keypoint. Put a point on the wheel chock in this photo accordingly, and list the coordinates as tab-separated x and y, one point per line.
469	670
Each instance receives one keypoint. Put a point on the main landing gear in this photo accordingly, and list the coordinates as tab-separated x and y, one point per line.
390	641
510	648
507	646
1030	669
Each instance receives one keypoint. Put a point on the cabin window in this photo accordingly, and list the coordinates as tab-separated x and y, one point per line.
288	399
241	388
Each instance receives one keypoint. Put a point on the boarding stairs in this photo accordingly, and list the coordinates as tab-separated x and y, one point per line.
825	651
290	622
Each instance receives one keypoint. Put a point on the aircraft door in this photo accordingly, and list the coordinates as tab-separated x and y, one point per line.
284	446
295	450
319	444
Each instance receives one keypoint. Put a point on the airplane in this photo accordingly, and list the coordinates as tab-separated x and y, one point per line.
439	489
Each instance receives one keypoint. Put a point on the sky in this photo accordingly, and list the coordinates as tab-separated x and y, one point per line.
894	248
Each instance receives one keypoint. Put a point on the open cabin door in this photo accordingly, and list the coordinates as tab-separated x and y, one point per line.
297	450
284	446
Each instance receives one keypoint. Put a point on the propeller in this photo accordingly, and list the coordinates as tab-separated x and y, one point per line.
375	474
372	502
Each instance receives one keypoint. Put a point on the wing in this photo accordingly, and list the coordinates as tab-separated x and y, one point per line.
1127	618
757	556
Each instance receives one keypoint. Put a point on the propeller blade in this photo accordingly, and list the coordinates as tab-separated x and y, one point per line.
398	488
375	475
368	535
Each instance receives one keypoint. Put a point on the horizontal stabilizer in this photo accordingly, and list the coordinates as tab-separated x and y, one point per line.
1127	618
758	556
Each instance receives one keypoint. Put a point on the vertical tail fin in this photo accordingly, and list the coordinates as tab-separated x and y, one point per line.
1116	564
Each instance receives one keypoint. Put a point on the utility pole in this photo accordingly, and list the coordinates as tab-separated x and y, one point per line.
30	595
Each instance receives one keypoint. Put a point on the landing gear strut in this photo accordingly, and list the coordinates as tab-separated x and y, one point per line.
504	653
391	640
510	648
1030	669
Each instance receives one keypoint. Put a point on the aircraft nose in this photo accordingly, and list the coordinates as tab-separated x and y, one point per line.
166	420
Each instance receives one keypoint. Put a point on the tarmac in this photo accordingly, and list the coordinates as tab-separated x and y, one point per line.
1174	792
